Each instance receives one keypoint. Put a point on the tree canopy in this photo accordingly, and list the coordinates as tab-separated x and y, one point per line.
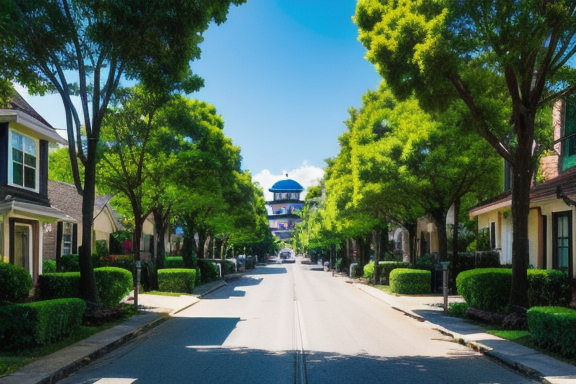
503	59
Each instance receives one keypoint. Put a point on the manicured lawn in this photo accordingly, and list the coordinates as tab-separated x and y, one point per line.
164	293
13	361
524	338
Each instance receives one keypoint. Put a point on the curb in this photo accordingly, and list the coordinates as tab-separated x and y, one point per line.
478	347
85	360
69	368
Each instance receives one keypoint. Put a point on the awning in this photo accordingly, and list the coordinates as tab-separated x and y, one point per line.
38	212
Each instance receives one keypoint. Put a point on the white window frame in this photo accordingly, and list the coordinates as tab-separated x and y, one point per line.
11	163
67	250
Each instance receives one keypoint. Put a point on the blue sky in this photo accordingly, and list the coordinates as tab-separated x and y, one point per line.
282	73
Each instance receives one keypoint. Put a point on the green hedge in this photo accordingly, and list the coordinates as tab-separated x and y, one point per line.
176	280
69	263
172	262
15	283
410	281
208	270
548	288
488	289
59	285
48	266
39	323
385	268
554	328
112	285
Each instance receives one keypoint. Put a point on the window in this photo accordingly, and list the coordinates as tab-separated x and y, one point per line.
562	241
569	145
23	161
66	238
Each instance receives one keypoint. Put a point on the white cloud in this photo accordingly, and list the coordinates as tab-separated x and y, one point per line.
306	175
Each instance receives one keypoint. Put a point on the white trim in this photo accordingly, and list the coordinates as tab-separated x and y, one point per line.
30	125
38	212
492	207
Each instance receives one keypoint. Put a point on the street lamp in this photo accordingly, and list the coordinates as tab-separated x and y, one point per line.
138	266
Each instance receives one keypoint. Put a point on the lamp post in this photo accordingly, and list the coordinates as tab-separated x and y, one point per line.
445	276
137	287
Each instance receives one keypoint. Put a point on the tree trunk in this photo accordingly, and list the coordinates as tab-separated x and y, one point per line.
440	219
376	239
202	236
189	244
411	228
218	243
522	180
454	262
87	281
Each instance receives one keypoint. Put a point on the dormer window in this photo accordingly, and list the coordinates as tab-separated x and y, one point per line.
23	161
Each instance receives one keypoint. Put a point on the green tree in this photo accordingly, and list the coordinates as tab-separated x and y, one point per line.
59	167
86	48
489	54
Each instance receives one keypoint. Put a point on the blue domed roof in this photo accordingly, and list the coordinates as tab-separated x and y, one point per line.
287	185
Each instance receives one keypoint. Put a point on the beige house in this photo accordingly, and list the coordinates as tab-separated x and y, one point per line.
550	223
63	238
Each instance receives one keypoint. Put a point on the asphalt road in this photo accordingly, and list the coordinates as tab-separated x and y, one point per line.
291	323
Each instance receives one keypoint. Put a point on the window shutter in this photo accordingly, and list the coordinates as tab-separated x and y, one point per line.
74	239
58	245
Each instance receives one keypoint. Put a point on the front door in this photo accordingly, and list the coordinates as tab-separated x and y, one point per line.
22	246
562	241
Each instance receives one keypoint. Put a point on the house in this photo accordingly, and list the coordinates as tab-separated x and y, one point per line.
25	210
64	238
550	222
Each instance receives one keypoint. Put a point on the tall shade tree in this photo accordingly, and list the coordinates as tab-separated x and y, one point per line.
86	48
488	53
406	154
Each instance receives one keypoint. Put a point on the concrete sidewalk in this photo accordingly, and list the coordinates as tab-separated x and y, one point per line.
429	308
154	309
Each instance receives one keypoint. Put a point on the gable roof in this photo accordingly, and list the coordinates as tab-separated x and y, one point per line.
19	111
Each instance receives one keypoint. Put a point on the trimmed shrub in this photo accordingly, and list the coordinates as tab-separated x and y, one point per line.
389	266
39	323
176	280
385	268
69	263
48	266
554	328
487	289
112	284
59	285
208	270
172	262
410	281
16	283
457	309
548	288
